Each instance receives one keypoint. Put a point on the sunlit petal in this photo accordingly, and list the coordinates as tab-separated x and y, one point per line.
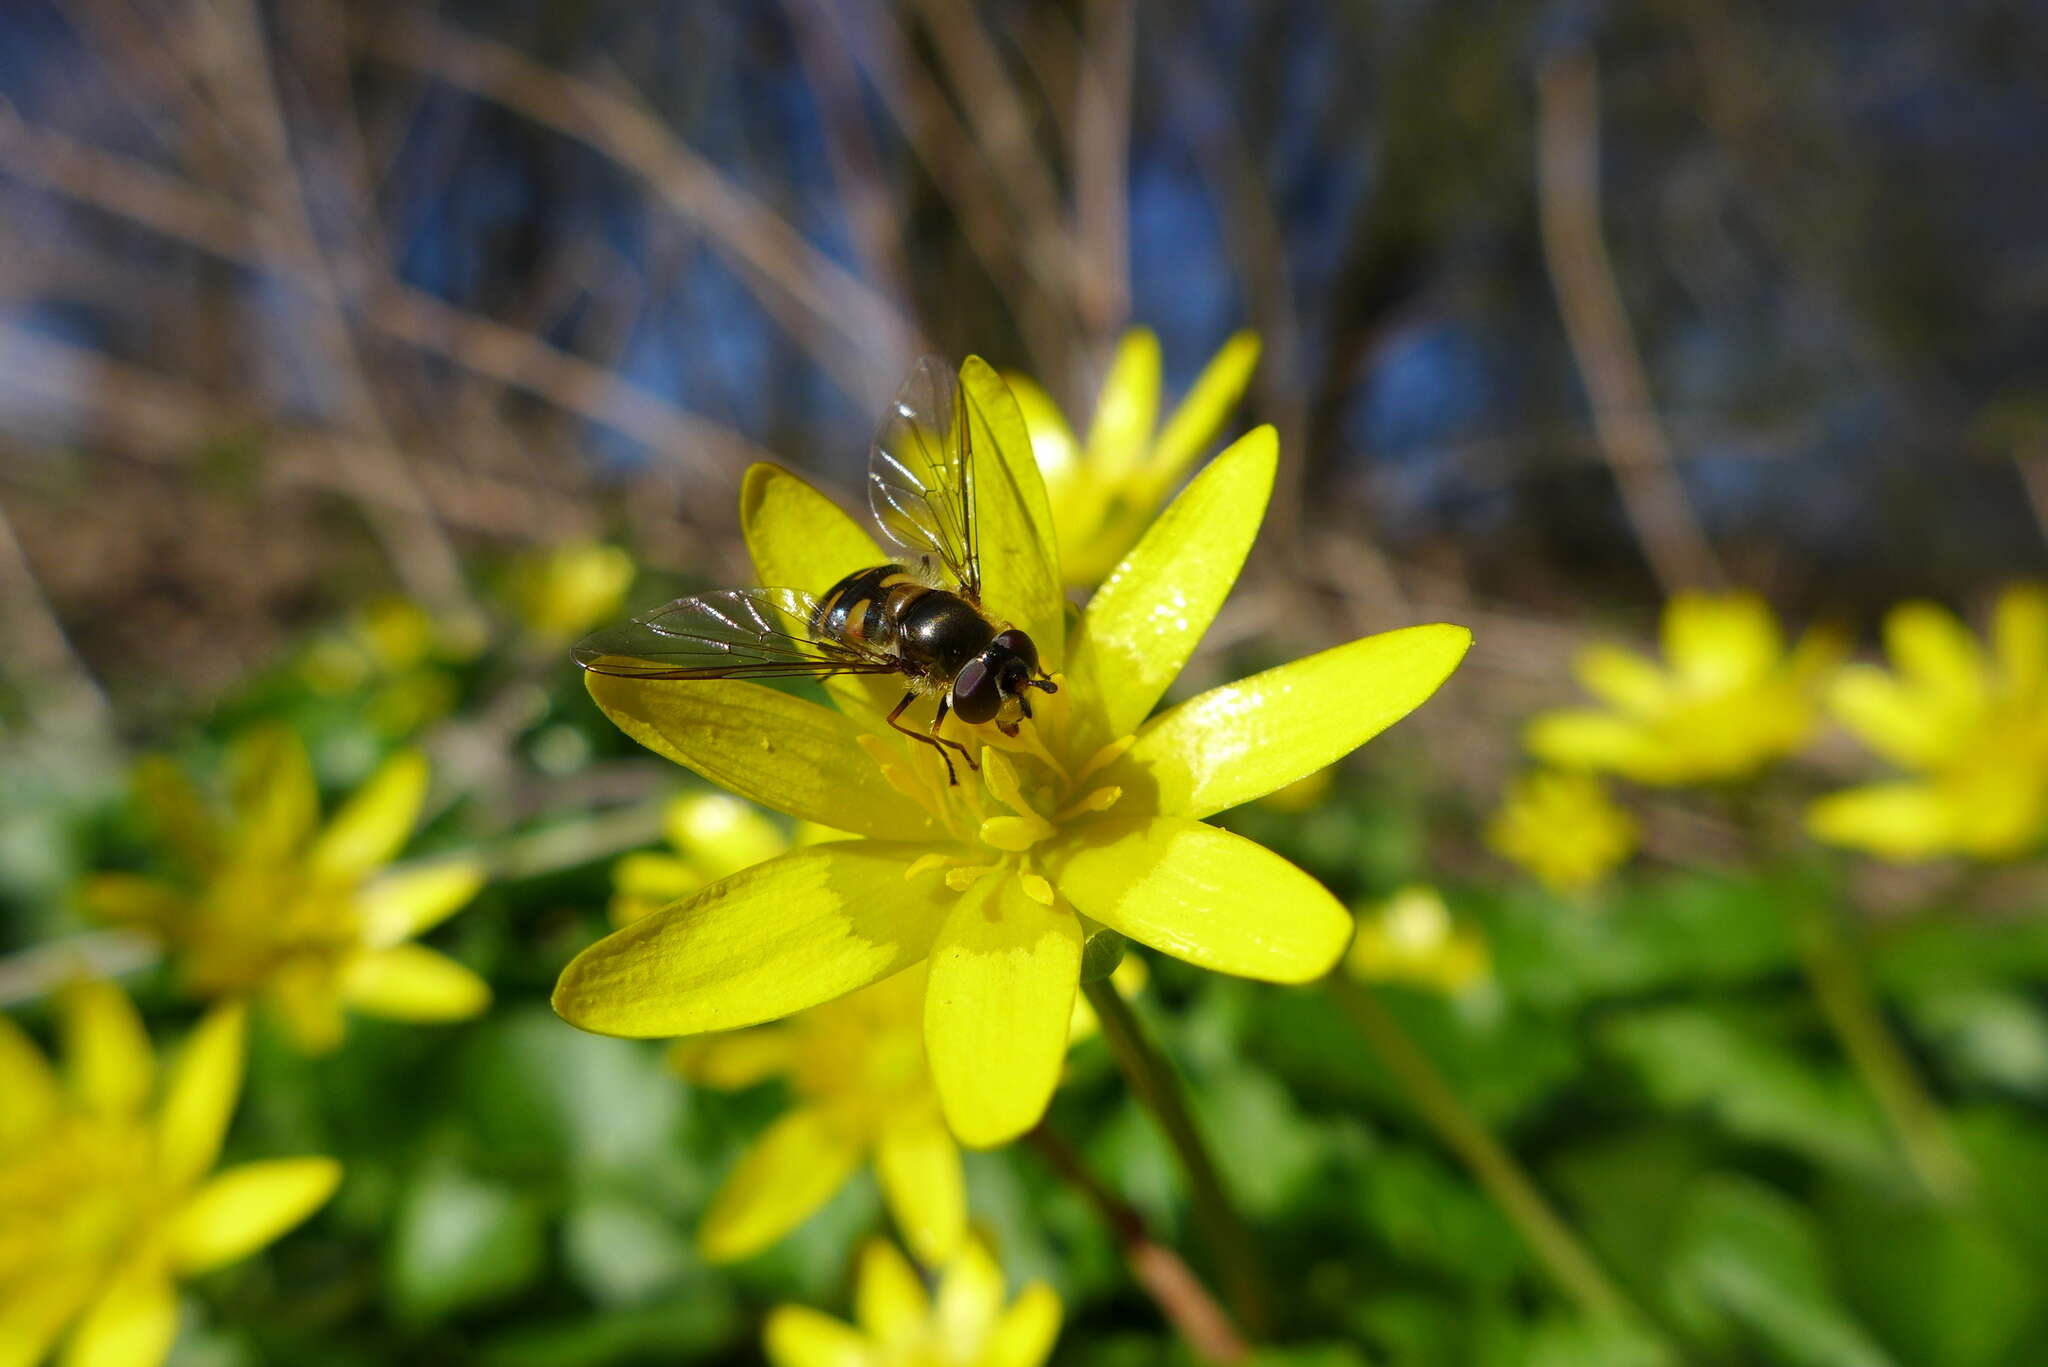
1052	441
1581	738
796	1336
734	1059
372	826
1020	560
1201	415
1204	895
1936	652
107	1058
1144	622
411	902
1895	820
778	750
1246	739
36	1308
770	940
410	982
1888	717
1717	641
1025	1335
799	538
918	1165
2019	636
969	1300
1004	971
792	1169
888	1298
199	1097
1127	409
133	1324
245	1207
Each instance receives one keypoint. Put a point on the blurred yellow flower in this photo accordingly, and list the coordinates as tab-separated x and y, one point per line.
863	1094
397	652
1412	938
564	591
271	902
1971	726
1564	828
898	1325
1102	495
108	1192
1092	814
1729	700
711	836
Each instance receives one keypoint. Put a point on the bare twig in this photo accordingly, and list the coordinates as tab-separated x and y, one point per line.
1568	177
867	338
53	679
1187	1304
1101	150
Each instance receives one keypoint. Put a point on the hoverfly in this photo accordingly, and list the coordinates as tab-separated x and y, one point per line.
924	623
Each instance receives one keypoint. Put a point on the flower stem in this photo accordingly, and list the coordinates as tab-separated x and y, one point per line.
1152	1078
1187	1304
1836	975
1567	1261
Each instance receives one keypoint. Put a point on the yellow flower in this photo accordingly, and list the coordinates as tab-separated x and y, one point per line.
308	916
713	835
1970	726
1411	938
1102	495
1564	828
106	1200
1730	700
863	1093
566	590
898	1325
397	651
1091	815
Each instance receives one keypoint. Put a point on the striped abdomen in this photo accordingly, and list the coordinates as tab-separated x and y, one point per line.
933	631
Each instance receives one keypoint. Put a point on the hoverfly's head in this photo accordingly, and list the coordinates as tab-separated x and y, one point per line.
992	686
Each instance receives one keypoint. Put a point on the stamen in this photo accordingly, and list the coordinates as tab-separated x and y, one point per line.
1037	888
1015	833
1094	800
965	876
925	863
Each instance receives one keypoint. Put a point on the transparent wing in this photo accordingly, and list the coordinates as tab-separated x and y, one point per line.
731	634
921	475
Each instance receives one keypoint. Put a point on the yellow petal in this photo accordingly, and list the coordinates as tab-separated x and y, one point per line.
1019	558
1200	416
1004	971
132	1325
889	1302
1905	821
799	538
409	982
1128	407
372	826
1053	443
306	994
918	1165
734	1059
1623	679
794	1167
1141	625
35	1310
410	902
1935	651
199	1098
130	899
771	940
1204	895
969	1300
276	802
1584	739
780	751
1246	739
2019	635
247	1206
1025	1335
796	1336
1891	719
721	834
28	1084
178	811
1721	641
107	1059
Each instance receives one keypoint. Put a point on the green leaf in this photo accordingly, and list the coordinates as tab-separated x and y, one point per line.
460	1241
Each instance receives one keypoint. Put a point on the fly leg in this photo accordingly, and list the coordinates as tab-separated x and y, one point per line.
938	719
937	742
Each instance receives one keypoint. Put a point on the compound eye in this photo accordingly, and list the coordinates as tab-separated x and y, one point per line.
977	696
1019	644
